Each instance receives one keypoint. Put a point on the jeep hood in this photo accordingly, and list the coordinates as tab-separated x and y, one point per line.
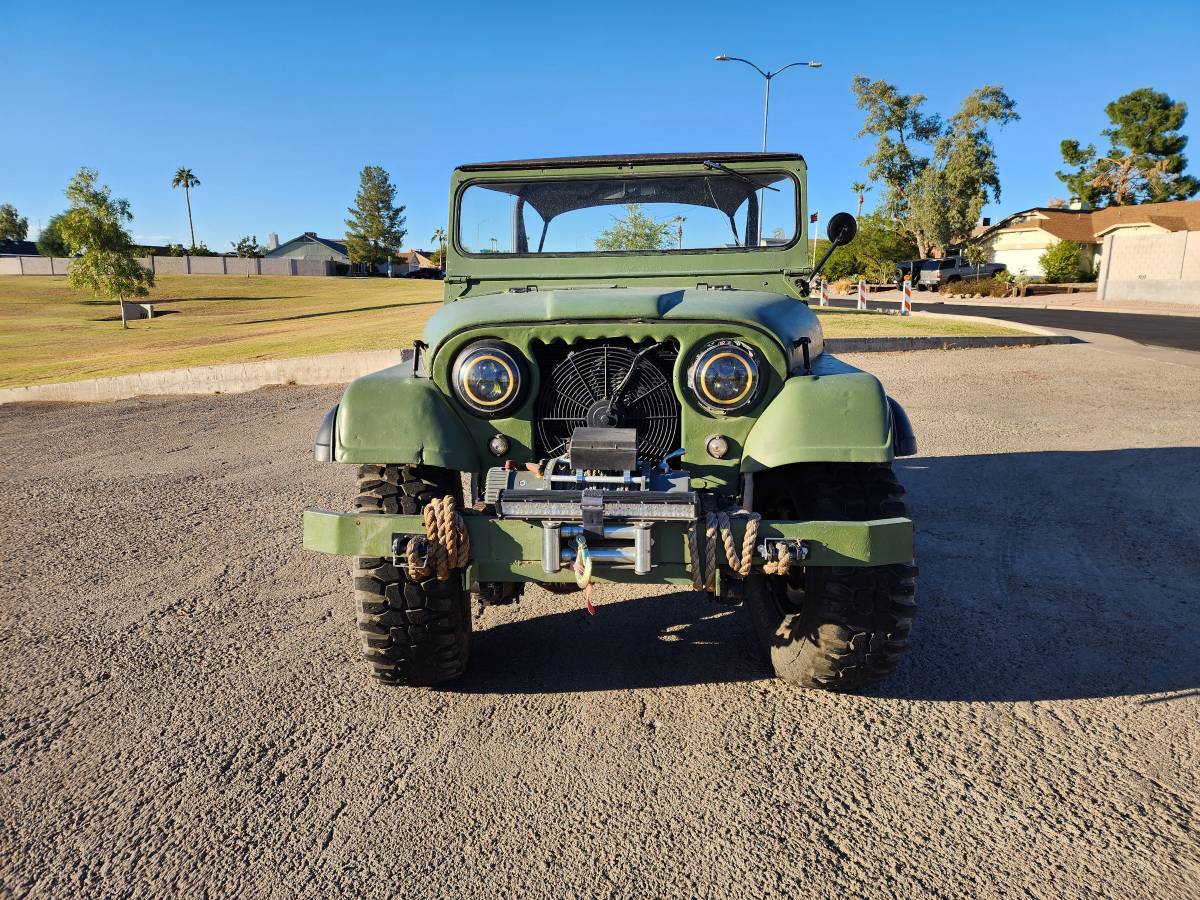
784	318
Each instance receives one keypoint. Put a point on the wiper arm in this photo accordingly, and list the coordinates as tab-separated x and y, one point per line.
709	164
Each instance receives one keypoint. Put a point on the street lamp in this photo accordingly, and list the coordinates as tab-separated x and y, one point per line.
767	76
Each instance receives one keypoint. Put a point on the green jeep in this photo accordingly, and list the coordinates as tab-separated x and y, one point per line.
626	384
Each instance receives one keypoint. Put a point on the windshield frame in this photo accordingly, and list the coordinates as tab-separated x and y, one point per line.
798	202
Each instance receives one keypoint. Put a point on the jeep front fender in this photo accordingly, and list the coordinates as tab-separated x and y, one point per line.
394	416
843	416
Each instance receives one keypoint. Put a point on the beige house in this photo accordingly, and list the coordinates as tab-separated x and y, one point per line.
1019	240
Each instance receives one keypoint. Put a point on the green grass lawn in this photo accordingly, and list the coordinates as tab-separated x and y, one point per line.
49	332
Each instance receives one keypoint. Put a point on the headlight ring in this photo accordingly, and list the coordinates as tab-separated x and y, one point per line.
489	378
725	376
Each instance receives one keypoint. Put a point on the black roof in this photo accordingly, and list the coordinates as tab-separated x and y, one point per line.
574	162
12	247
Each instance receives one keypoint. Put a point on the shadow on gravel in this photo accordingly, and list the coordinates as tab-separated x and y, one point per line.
1061	575
669	639
1044	576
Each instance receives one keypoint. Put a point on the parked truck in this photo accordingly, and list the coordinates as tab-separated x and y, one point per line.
933	273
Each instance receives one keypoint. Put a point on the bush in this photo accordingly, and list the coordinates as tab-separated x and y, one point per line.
1061	262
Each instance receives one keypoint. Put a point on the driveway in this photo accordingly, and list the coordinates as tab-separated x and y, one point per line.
184	713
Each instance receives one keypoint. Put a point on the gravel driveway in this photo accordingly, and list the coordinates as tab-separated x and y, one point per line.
182	710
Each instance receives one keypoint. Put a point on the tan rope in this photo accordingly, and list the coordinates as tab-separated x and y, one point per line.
781	565
694	557
740	562
447	542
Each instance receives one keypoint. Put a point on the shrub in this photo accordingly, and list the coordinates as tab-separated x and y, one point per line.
1061	262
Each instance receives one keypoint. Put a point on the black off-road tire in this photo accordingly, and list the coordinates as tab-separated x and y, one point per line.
836	628
413	632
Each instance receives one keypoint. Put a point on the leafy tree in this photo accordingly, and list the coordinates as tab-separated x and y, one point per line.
937	176
1060	262
50	240
880	244
635	230
976	254
186	180
13	227
176	250
1145	161
247	247
375	229
94	228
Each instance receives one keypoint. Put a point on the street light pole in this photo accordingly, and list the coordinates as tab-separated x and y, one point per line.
767	77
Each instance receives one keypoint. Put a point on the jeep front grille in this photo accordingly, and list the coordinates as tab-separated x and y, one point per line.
578	387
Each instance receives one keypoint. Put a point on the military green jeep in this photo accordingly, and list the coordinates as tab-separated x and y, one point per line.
626	384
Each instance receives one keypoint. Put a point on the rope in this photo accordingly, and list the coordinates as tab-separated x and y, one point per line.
447	543
717	525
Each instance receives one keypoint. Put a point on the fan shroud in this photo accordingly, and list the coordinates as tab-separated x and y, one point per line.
578	381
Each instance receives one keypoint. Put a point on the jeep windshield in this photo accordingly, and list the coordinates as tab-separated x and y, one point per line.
718	210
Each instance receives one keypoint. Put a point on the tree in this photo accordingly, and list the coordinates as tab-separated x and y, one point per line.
439	238
880	244
937	176
247	247
678	221
50	241
13	227
186	180
635	230
860	188
375	229
1145	161
94	229
1061	262
976	254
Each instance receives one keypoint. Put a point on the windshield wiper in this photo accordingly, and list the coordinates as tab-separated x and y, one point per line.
709	164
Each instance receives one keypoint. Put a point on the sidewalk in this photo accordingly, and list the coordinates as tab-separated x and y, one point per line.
1081	301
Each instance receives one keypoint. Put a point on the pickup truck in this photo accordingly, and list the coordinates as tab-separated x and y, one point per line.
932	273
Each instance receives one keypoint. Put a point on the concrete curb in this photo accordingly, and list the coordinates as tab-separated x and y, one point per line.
342	368
228	378
948	342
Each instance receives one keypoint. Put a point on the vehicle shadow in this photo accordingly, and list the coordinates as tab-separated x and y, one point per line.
1050	575
1054	575
656	641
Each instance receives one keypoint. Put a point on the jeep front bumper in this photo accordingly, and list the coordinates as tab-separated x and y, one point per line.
512	549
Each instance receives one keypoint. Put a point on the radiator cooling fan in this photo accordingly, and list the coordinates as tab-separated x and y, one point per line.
594	386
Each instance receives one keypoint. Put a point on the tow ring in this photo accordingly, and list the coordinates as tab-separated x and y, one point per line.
582	567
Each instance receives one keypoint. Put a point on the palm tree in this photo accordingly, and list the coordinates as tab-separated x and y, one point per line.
678	221
186	180
859	188
439	238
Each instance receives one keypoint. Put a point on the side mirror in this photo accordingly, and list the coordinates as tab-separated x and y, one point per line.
842	229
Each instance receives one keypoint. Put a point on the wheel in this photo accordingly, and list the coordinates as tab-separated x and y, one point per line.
414	632
836	628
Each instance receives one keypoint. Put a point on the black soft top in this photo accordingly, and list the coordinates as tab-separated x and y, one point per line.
574	162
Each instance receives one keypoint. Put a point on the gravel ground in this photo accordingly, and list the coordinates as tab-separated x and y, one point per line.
183	712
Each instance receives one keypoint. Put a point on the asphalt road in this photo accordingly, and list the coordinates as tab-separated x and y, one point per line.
183	712
1179	332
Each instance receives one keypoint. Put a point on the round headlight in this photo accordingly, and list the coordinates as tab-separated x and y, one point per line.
725	376
488	378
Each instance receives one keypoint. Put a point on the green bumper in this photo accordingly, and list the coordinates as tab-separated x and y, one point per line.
511	549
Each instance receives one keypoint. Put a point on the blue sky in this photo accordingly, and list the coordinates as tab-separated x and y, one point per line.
276	107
